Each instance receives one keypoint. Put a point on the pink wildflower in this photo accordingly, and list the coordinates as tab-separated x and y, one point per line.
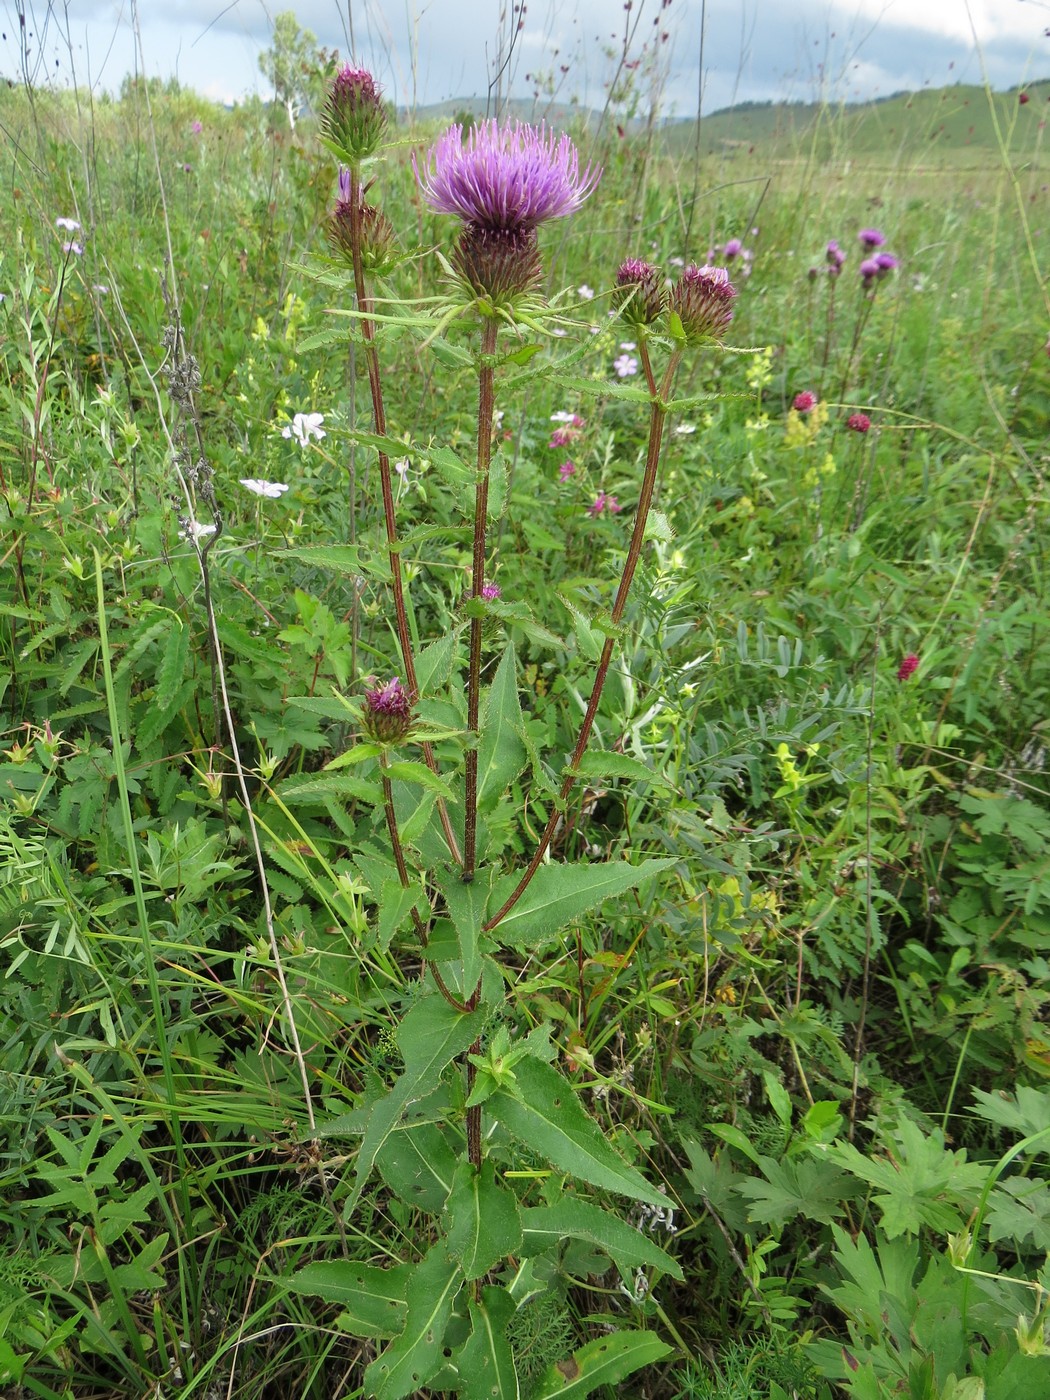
908	666
567	469
858	422
804	402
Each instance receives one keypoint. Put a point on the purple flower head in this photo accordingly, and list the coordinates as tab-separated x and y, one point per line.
908	666
869	270
562	437
197	128
835	257
491	592
702	299
70	225
376	232
353	120
603	502
567	469
625	365
639	292
885	262
871	238
805	402
73	247
733	248
858	422
387	713
505	179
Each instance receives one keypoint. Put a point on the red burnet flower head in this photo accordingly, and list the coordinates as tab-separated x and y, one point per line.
503	182
908	666
639	292
702	300
387	713
1023	98
858	422
805	402
353	121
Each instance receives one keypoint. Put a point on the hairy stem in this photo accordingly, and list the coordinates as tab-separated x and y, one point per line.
657	420
486	403
375	386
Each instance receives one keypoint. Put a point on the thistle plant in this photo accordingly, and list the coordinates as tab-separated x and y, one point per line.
442	896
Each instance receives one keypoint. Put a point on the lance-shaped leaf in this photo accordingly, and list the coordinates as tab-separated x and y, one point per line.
484	1361
541	1108
560	893
501	753
467	904
418	1164
482	1220
546	1226
430	1037
602	1362
373	1299
413	1357
351	560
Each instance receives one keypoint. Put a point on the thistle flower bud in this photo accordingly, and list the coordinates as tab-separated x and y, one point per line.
354	119
639	295
498	264
702	300
377	237
387	713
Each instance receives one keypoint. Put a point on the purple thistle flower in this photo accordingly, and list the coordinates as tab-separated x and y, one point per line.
507	179
491	592
354	119
885	262
871	238
387	713
702	299
733	248
869	270
834	257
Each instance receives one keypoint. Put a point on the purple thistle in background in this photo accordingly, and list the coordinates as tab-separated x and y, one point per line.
388	712
702	299
733	248
834	257
491	592
503	182
869	270
639	292
885	262
871	238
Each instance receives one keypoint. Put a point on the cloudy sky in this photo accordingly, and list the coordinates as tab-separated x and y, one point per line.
429	50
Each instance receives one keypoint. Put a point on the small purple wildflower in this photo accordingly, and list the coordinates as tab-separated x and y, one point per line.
733	248
858	422
387	713
871	238
908	667
869	270
886	263
834	257
603	502
805	402
625	365
567	469
197	128
70	225
491	592
73	247
562	437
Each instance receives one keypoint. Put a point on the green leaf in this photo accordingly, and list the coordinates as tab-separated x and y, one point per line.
409	771
350	560
467	903
434	663
418	1164
808	1187
450	466
542	1110
413	1357
560	893
602	1362
485	1362
373	1299
482	1223
501	753
1027	1112
547	1226
597	764
431	1035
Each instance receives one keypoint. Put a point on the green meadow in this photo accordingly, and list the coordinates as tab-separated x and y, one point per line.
748	1096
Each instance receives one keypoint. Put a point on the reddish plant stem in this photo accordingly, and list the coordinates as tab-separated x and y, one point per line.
657	420
486	403
375	385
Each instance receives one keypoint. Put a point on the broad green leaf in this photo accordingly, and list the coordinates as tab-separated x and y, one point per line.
1026	1112
373	1299
482	1221
350	560
395	905
434	663
501	753
542	1110
628	1248
467	904
560	893
485	1362
412	1358
409	771
418	1164
596	764
801	1186
602	1362
430	1037
451	466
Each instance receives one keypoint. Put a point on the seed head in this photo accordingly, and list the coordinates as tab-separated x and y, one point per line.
702	299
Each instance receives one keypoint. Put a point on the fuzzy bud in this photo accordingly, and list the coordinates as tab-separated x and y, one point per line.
376	233
387	713
639	295
354	119
702	299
